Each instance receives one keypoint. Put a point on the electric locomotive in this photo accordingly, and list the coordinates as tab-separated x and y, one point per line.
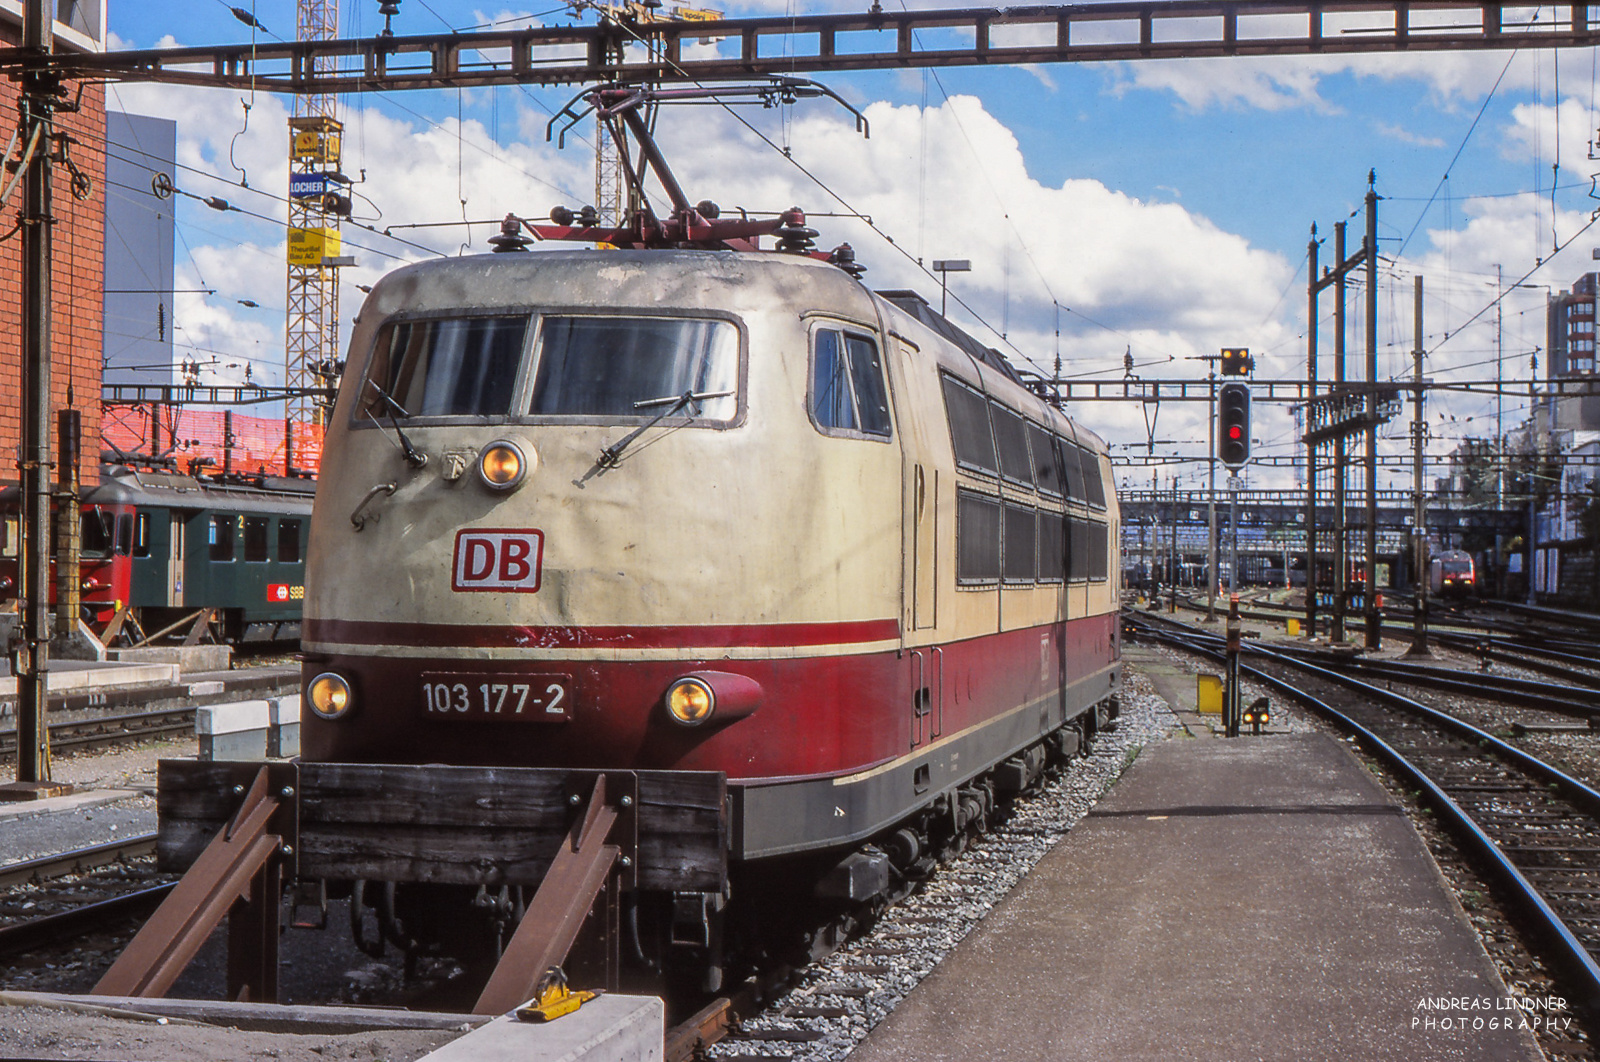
796	577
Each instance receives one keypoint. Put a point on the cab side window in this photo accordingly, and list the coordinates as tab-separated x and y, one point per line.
847	392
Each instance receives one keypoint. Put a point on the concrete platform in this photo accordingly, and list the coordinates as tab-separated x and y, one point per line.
1259	898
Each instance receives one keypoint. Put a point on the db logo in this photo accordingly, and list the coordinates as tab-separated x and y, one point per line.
499	559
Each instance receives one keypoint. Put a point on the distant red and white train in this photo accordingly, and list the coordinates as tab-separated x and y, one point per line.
719	517
1453	574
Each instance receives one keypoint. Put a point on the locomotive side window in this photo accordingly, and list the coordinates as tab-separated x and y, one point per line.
124	534
1052	547
847	393
1094	488
1078	550
1072	468
1021	556
636	367
1011	437
289	541
1095	534
969	427
1046	465
255	538
141	534
977	539
465	366
221	535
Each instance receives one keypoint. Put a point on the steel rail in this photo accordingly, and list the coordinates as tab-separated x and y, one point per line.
108	730
68	925
1565	949
77	861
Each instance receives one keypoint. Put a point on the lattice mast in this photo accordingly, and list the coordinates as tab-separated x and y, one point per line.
316	209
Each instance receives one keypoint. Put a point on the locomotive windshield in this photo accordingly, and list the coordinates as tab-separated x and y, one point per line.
627	366
463	366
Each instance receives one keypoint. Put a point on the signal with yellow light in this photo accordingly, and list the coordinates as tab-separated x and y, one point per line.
1236	361
1258	715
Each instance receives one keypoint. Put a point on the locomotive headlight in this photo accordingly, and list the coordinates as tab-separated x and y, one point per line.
690	701
330	696
502	466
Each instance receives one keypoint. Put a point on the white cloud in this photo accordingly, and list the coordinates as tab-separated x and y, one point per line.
1405	136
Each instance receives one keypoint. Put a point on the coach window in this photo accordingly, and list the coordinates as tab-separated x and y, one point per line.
1021	556
289	541
462	366
255	538
636	367
141	534
977	539
221	534
969	427
847	394
94	539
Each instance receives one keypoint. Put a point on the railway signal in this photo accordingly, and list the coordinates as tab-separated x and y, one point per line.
1236	361
1233	424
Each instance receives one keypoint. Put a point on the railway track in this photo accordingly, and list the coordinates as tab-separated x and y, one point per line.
108	730
1535	829
113	886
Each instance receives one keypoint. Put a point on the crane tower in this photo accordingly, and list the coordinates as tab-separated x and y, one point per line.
316	209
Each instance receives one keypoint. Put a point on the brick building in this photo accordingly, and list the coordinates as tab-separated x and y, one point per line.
79	250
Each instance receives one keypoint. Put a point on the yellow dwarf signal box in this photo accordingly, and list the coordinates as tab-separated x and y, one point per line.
1208	693
308	247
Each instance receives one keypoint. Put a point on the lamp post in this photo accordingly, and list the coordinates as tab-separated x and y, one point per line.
944	267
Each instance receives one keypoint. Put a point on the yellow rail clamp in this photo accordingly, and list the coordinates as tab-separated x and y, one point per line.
553	998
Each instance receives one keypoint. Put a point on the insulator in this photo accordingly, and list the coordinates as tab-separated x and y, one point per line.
560	215
588	217
844	256
708	210
511	237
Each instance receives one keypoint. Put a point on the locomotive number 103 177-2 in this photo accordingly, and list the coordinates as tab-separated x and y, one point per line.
521	698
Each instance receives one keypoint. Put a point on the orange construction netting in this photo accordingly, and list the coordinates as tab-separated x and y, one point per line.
231	441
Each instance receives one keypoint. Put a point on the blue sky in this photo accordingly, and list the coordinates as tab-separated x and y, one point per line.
1160	207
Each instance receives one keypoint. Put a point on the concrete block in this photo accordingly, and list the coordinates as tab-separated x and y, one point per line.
613	1028
235	731
208	688
283	732
187	657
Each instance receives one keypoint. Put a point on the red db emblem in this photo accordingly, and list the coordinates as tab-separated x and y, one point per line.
499	559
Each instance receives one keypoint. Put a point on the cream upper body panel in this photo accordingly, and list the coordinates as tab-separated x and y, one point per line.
752	518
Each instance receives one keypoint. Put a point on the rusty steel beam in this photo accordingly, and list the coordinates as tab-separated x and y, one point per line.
877	39
239	872
558	909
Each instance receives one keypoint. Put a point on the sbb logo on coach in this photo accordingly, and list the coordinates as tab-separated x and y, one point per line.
499	559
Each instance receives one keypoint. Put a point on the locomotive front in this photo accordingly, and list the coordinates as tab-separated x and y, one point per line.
560	523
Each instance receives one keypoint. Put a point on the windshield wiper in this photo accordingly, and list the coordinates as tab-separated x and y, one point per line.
414	457
611	456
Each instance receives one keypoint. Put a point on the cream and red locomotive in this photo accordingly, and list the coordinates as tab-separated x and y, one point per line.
801	569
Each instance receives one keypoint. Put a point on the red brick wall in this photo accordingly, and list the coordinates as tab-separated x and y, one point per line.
78	282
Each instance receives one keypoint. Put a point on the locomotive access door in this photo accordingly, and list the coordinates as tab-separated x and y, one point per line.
924	520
